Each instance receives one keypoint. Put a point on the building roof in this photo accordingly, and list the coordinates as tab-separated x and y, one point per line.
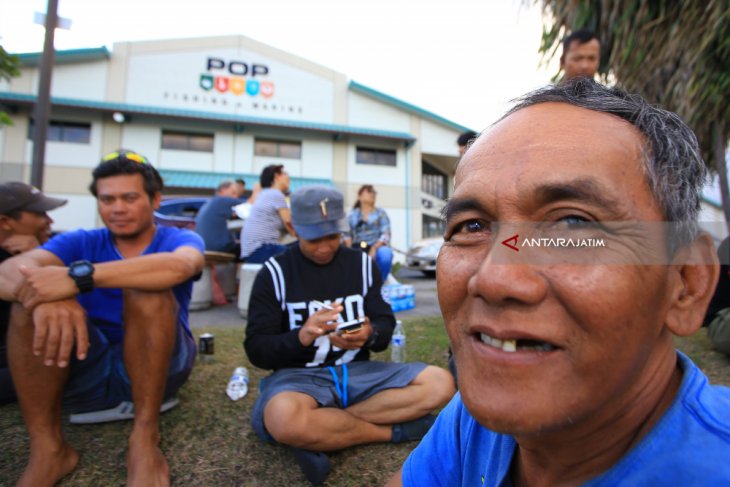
239	120
31	59
400	104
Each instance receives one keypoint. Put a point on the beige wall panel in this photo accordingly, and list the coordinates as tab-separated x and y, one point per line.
67	180
14	139
10	171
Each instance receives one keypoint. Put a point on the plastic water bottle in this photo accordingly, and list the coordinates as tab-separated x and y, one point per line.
238	385
398	343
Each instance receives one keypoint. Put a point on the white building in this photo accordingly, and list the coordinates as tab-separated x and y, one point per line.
203	110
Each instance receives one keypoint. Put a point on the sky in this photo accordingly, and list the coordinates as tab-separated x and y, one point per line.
463	59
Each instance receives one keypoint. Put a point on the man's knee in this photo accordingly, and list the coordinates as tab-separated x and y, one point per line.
20	319
285	418
159	304
439	385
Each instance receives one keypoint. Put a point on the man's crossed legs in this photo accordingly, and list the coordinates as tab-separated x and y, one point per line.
302	408
151	363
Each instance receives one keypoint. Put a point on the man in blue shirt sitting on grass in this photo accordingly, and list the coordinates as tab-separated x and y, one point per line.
100	317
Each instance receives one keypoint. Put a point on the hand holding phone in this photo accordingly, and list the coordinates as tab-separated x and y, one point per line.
350	326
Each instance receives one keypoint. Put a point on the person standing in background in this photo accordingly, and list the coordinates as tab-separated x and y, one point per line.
581	55
240	188
370	229
464	140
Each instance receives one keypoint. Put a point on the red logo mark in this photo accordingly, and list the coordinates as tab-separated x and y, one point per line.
512	239
221	84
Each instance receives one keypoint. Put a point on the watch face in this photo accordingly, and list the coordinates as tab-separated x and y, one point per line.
81	269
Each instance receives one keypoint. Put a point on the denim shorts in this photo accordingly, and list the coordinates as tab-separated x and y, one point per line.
365	379
100	381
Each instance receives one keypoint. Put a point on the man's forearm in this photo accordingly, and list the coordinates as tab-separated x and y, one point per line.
10	276
152	272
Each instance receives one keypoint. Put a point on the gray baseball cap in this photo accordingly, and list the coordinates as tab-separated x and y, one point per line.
16	196
317	211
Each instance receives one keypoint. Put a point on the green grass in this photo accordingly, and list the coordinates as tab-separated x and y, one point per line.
208	439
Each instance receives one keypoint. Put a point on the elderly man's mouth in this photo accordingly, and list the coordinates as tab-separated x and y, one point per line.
515	345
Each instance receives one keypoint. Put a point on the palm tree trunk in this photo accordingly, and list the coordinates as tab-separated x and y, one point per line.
720	161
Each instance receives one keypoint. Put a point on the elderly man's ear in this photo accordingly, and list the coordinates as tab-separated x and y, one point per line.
694	278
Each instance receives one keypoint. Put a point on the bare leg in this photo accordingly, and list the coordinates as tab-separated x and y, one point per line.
295	419
150	320
40	394
431	389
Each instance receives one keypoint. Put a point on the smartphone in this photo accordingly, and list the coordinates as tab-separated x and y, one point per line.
350	326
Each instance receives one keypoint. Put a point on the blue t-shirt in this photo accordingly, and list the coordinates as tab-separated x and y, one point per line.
211	223
104	305
689	445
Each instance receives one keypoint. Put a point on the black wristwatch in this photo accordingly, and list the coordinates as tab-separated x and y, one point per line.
373	337
82	272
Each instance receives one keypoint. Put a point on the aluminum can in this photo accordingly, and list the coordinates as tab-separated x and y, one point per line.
206	347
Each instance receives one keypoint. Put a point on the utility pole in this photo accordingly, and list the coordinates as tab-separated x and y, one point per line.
43	101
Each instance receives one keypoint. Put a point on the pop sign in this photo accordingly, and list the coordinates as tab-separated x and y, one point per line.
237	77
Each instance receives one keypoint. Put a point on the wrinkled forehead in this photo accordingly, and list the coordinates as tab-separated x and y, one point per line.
555	135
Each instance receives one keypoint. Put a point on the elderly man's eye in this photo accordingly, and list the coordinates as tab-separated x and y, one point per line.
575	221
575	224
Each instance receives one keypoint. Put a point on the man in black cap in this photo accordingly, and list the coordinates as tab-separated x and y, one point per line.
24	225
324	394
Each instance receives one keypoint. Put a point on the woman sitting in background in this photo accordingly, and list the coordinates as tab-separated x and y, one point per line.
370	229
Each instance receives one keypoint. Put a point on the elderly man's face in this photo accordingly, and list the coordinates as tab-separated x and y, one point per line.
542	346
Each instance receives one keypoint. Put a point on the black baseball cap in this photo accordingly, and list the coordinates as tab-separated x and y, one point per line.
17	196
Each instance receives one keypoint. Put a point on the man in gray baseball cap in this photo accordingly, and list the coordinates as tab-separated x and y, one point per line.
317	211
24	225
324	394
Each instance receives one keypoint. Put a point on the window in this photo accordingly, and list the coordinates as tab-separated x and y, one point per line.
377	157
432	226
187	141
433	181
286	149
72	132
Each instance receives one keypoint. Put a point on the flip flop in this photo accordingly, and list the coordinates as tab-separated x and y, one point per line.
124	410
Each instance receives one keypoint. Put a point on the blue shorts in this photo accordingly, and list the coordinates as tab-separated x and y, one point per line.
100	381
365	379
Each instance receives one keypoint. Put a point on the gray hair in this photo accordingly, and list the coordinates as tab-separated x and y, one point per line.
673	162
225	184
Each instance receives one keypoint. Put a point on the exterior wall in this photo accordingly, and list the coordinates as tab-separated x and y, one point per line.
77	80
173	78
14	139
167	74
437	139
71	154
366	112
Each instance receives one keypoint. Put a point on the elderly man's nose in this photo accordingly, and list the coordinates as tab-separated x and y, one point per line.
504	277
